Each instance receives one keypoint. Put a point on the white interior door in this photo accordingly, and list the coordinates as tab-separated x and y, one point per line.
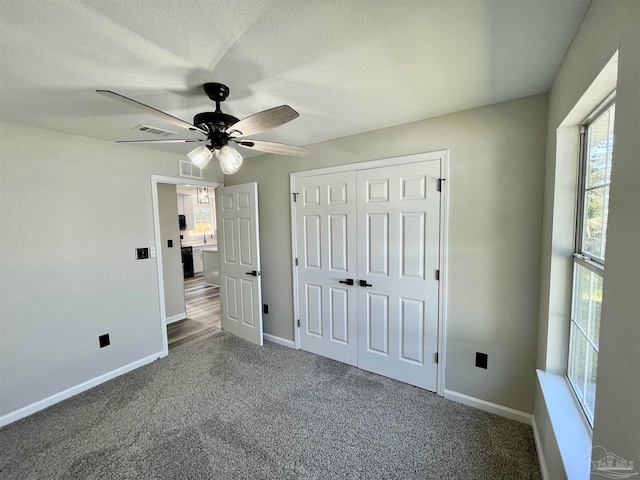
398	212
326	248
239	251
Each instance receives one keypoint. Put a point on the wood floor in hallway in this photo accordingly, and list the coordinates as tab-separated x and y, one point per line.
203	314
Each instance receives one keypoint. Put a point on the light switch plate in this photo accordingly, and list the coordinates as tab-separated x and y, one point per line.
152	251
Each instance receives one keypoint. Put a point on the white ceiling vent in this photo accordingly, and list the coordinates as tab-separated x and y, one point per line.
188	169
154	130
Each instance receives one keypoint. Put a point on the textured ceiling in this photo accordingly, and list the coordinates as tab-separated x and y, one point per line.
346	66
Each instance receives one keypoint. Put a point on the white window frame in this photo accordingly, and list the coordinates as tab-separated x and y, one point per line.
580	257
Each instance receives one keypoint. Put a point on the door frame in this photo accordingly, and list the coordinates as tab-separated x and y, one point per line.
155	180
443	157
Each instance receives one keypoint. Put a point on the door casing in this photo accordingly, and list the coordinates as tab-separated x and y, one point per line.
155	180
443	157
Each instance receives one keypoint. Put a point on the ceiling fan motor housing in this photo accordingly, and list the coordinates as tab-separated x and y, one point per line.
215	123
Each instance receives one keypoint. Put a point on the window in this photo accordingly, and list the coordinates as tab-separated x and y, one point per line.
203	219
589	256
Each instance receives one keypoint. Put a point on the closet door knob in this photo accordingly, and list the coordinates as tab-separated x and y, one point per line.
348	281
363	283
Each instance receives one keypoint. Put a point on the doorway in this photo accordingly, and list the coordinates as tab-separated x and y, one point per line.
200	261
369	277
189	298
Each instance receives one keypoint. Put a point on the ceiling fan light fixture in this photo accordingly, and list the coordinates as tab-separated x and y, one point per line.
200	156
230	159
219	129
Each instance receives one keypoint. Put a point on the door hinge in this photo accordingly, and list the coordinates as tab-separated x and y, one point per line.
440	181
437	357
295	196
438	274
296	262
298	322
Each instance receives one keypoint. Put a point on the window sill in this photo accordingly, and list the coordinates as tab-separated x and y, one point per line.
572	433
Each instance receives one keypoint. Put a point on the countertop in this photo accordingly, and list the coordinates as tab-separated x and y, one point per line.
203	246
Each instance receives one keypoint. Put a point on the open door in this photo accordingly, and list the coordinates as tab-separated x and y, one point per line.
239	251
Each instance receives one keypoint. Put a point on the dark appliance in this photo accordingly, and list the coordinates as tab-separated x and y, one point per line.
187	261
182	221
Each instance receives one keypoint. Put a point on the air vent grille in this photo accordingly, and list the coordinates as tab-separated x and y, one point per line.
188	169
155	130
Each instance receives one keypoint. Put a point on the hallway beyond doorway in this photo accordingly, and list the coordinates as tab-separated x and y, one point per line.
203	314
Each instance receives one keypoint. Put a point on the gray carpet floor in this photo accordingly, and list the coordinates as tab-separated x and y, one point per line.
223	408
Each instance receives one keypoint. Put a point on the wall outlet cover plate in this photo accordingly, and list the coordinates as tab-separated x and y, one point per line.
481	360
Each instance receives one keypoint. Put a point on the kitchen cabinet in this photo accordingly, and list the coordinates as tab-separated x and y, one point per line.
185	207
198	263
211	262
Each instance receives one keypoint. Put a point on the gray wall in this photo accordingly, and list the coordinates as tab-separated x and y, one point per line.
68	272
606	27
172	272
497	167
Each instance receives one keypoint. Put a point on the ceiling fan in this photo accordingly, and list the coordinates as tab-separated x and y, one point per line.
220	129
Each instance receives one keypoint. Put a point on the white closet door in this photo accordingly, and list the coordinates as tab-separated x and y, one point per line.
398	254
326	249
239	250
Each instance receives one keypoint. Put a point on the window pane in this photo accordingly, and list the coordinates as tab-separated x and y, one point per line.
587	302
583	353
581	288
577	367
612	114
595	304
594	226
598	175
592	370
600	150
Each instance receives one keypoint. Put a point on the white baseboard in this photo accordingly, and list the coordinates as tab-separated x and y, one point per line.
70	392
490	407
541	460
175	318
279	340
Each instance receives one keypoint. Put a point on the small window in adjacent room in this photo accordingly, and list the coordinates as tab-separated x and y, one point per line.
203	220
589	255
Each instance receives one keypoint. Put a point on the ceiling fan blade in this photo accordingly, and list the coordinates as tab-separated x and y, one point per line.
261	121
272	147
173	140
150	110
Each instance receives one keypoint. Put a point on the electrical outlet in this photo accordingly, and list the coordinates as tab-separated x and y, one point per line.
265	308
104	340
481	360
142	253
